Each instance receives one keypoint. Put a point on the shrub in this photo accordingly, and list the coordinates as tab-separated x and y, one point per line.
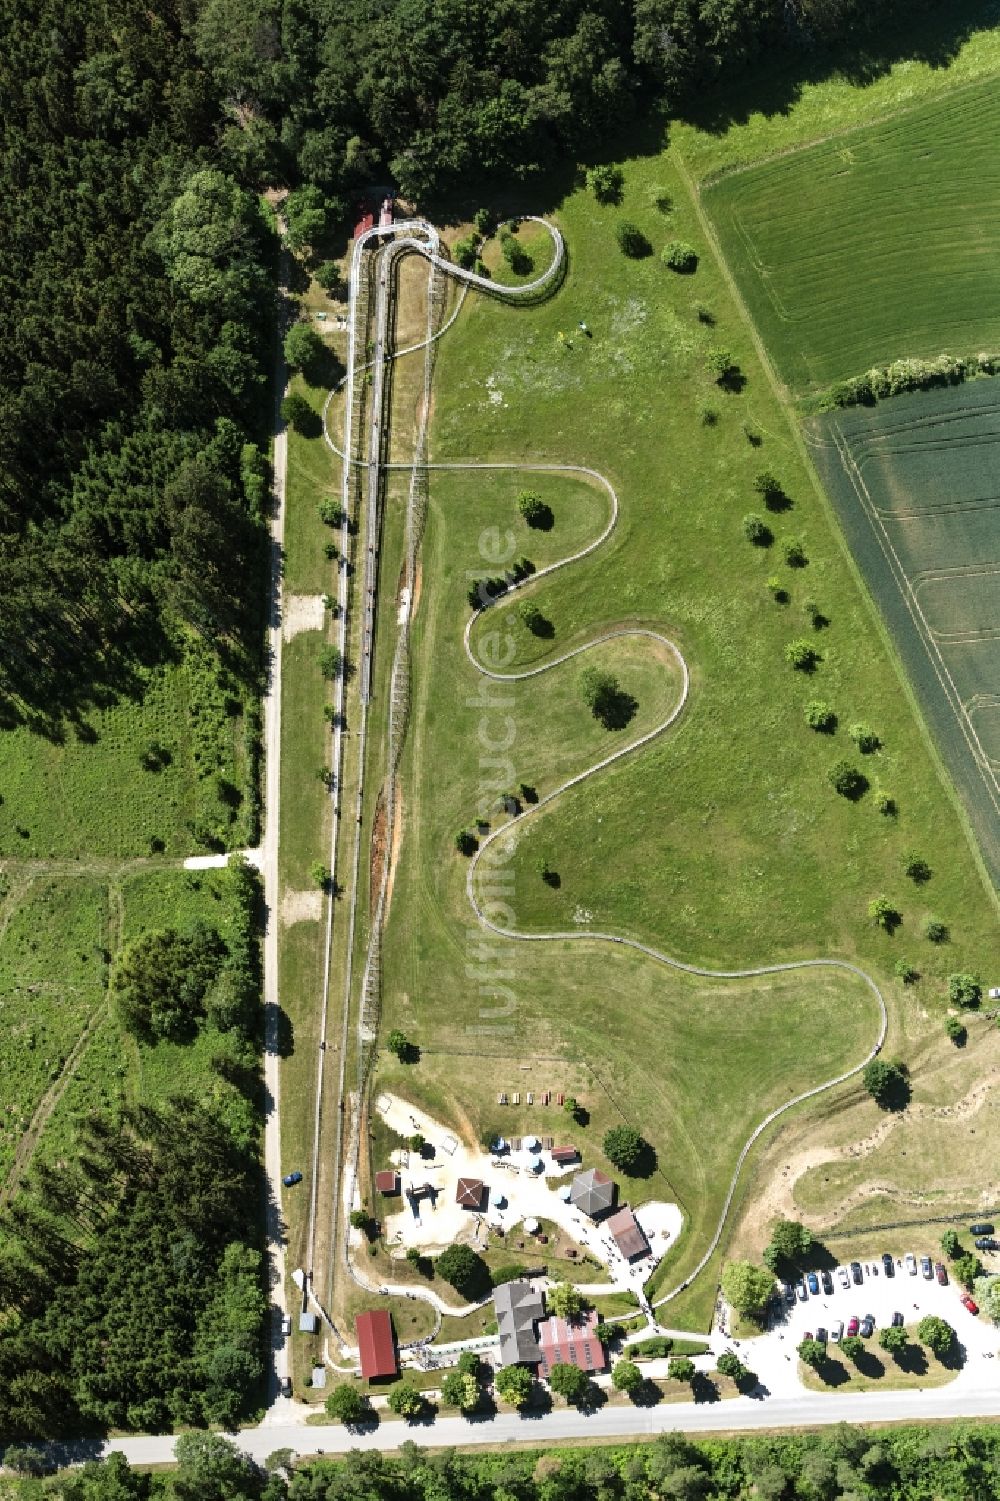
564	1300
680	257
820	717
681	1368
568	1381
297	413
404	1399
466	842
853	1347
660	199
460	1389
532	618
514	1384
757	531
777	590
331	279
631	240
905	972
812	1352
936	930
847	780
965	990
465	1270
795	554
607	700
626	1376
534	510
746	1287
623	1146
893	1339
304	350
720	363
864	738
936	1334
511	1272
885	1082
606	183
886	805
883	914
768	488
331	662
484	221
956	1030
802	655
465	252
709	416
331	512
397	1043
515	255
916	867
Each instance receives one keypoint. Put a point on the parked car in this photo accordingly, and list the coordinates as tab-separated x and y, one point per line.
286	1386
290	1179
837	1331
844	1275
857	1273
788	1293
808	1334
981	1227
897	1321
994	992
969	1303
940	1273
813	1282
910	1262
821	1336
853	1324
827	1281
986	1243
867	1326
286	1324
925	1266
800	1290
888	1265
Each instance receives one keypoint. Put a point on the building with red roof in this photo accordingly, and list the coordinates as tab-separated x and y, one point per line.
376	1344
387	1181
570	1342
628	1234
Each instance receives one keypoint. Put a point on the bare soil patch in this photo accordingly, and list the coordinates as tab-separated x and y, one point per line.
302	612
301	906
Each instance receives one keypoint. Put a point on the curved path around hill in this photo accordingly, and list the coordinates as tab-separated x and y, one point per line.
429	249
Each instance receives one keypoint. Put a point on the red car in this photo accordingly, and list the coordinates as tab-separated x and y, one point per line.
853	1326
940	1273
968	1302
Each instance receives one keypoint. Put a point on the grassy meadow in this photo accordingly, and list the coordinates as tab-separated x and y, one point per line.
163	771
722	843
872	245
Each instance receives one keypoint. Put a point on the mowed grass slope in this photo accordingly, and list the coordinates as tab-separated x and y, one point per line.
872	245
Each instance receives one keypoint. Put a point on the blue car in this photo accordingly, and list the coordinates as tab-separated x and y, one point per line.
813	1282
290	1179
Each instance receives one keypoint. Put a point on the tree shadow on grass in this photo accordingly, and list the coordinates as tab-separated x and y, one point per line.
704	1389
832	1372
616	709
869	1365
645	1163
912	1359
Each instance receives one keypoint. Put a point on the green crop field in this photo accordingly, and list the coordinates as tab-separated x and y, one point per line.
914	481
872	245
722	842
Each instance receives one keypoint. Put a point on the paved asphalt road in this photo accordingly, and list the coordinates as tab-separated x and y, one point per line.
741	1413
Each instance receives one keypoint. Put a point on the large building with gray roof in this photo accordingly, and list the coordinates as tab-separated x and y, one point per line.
518	1308
593	1192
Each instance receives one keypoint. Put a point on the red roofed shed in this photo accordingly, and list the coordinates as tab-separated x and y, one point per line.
387	1181
376	1343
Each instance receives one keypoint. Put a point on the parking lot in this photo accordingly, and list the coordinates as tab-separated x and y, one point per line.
882	1296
